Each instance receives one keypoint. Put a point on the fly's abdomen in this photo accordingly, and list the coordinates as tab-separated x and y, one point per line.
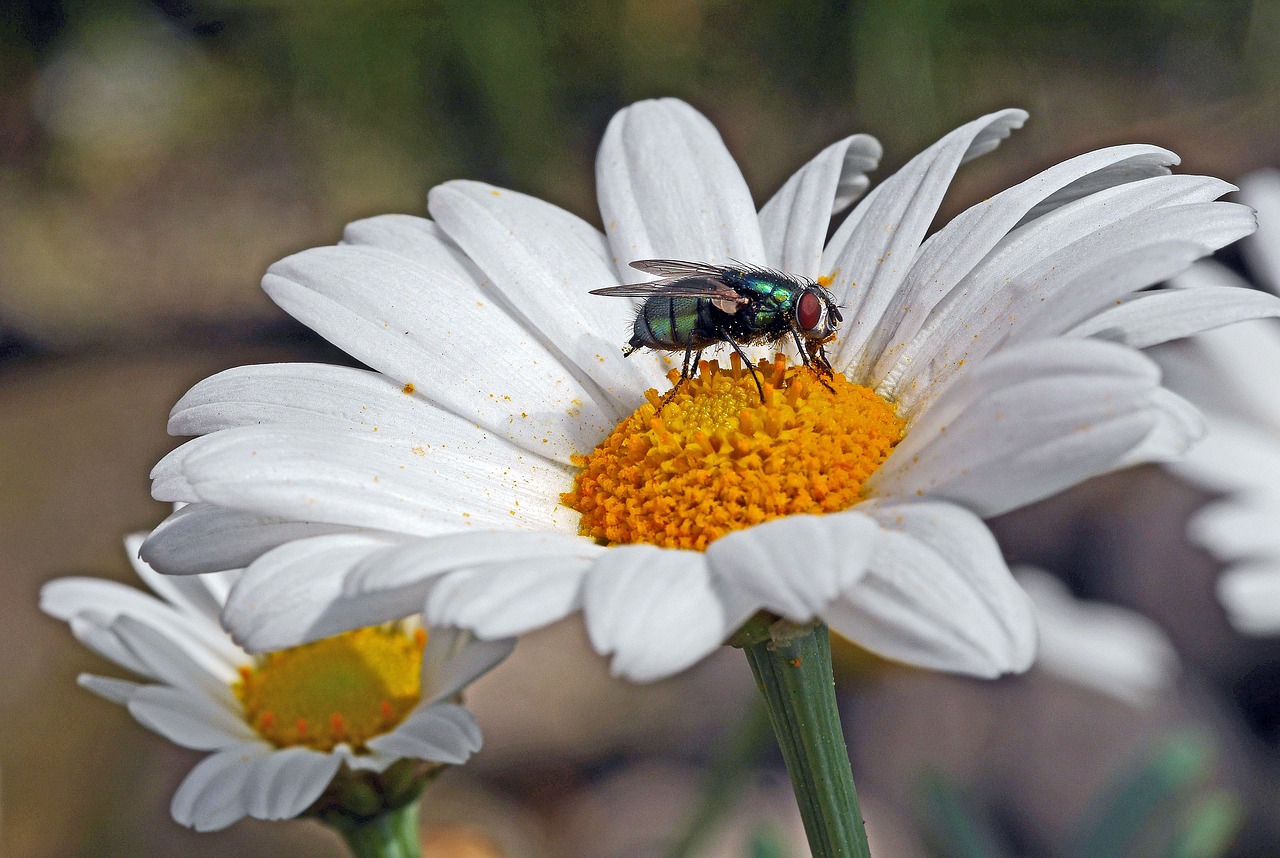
669	323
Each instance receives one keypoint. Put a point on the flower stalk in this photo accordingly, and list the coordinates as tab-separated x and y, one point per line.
792	667
377	813
392	834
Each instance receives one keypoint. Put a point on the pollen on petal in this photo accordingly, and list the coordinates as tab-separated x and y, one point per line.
710	458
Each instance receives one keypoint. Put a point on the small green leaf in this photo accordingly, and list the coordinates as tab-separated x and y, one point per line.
766	843
955	829
1208	827
1114	824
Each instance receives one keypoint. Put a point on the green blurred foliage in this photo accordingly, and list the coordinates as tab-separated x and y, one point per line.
1163	806
517	92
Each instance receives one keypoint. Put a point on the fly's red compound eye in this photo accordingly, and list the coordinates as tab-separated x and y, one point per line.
809	311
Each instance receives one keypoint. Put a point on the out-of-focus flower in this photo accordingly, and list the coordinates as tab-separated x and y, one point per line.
970	379
1233	374
121	89
285	726
1099	646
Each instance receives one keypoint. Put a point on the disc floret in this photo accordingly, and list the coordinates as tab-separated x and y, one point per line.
340	690
711	457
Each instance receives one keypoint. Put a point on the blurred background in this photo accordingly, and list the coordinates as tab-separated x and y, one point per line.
155	157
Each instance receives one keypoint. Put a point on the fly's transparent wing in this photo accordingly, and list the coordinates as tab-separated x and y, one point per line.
675	268
684	288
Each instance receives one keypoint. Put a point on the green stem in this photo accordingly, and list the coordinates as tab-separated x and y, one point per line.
391	834
793	671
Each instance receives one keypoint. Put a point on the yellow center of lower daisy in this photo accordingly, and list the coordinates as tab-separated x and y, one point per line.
347	688
713	458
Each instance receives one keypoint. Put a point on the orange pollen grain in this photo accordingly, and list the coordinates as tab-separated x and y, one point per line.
711	458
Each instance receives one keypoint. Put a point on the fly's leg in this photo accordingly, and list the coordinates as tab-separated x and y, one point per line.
688	371
816	361
746	360
824	361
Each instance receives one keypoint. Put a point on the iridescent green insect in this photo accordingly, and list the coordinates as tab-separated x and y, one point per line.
695	305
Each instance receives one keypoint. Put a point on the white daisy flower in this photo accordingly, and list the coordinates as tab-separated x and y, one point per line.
282	727
1098	646
458	476
1232	375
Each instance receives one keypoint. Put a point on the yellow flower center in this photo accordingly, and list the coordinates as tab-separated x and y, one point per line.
712	458
347	688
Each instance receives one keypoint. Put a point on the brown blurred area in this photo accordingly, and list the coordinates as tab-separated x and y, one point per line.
155	158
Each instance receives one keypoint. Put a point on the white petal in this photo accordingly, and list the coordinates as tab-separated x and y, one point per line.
422	327
466	660
339	398
320	587
416	239
190	595
109	688
98	603
794	222
1234	456
1260	190
168	482
209	798
201	538
366	760
1224	370
658	611
175	661
1098	646
938	595
1108	282
544	261
872	250
1251	594
94	631
425	558
951	253
1208	273
1025	424
1239	528
188	718
443	733
1127	163
1179	426
382	483
1058	270
795	566
292	595
509	599
669	189
286	782
1170	314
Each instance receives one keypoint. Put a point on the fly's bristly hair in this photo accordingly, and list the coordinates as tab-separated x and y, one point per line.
695	305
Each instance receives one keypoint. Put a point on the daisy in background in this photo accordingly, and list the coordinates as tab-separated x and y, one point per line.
1234	376
345	729
500	465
